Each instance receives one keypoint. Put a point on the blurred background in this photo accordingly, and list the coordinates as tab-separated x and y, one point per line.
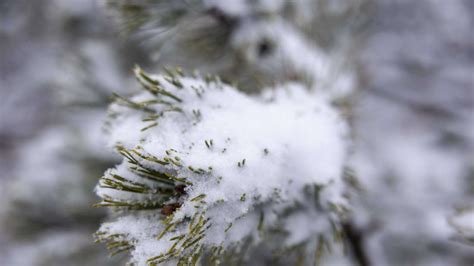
413	122
59	63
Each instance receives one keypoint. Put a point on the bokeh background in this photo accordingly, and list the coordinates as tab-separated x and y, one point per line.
61	60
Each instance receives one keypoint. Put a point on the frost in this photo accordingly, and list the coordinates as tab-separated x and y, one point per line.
217	167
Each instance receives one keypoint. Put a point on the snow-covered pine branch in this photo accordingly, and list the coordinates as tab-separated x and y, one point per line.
254	44
209	172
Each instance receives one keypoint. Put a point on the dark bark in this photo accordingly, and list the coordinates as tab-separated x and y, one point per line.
355	239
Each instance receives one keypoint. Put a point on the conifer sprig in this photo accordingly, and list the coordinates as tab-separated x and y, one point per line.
179	188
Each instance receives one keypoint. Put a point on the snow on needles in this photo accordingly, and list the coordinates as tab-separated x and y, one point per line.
204	158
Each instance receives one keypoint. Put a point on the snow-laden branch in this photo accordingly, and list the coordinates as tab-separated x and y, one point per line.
207	168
